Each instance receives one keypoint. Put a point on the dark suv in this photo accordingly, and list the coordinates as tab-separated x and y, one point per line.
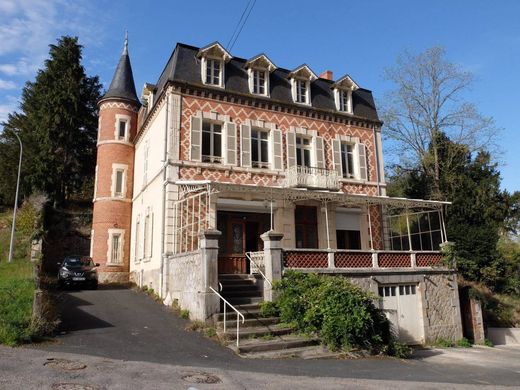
78	270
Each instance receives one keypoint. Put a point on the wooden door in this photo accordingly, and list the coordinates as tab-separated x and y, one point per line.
234	260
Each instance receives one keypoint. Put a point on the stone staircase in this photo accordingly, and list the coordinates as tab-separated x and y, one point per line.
260	337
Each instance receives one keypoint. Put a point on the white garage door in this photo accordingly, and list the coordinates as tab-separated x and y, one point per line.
401	306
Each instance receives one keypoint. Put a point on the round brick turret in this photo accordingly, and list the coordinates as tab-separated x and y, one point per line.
111	222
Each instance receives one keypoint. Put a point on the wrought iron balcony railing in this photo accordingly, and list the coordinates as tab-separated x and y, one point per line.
311	177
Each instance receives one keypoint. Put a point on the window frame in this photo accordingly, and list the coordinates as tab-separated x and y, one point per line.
212	158
123	170
120	119
120	234
256	84
260	141
301	148
345	166
209	63
298	84
344	100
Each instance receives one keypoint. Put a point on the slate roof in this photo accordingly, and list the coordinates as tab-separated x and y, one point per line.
122	85
184	66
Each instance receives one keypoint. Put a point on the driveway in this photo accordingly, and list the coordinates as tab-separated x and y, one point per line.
123	324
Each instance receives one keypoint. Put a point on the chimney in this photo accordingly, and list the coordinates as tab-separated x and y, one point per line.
327	75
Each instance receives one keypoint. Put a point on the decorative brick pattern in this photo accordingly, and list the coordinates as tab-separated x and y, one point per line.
428	259
239	114
352	260
297	259
394	260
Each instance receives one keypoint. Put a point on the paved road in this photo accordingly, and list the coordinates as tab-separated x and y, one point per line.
127	325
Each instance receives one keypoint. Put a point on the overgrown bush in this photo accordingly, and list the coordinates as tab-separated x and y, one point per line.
399	350
269	309
342	314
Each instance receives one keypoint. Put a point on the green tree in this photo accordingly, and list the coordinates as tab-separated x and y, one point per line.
57	124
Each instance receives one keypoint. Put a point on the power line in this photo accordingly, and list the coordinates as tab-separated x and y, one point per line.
236	34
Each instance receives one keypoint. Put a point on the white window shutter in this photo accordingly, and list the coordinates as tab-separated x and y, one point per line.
196	138
245	145
276	158
336	156
291	148
230	146
362	162
319	152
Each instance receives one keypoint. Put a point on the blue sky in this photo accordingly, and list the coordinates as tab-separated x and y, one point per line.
360	38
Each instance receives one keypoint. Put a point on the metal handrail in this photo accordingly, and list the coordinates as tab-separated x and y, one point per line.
231	306
248	256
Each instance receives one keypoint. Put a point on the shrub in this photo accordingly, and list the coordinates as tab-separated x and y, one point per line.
399	350
488	343
463	343
443	343
269	309
185	314
342	314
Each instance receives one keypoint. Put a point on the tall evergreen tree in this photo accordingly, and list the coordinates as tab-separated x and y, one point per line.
57	124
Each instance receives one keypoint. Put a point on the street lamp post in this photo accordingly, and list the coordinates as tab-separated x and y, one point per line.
11	244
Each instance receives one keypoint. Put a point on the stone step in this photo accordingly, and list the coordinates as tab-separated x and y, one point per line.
231	277
239	286
248	322
241	293
310	352
251	313
241	301
255	332
281	343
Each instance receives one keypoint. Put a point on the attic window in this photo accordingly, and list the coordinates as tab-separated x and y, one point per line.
258	69
301	79
213	71
213	58
343	89
259	81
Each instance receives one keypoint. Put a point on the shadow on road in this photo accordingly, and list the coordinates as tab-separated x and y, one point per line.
73	317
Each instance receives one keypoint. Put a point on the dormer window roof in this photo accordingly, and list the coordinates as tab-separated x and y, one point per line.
301	79
343	94
258	70
213	59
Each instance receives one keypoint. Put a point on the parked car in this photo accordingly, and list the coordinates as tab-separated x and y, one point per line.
78	271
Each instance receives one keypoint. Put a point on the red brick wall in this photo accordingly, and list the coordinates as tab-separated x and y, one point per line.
112	213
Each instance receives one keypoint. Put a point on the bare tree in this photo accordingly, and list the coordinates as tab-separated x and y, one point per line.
429	100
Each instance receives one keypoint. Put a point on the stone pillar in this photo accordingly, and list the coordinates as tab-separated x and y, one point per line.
272	260
209	256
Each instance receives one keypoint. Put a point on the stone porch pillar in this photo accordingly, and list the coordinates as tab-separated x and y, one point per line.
209	256
272	260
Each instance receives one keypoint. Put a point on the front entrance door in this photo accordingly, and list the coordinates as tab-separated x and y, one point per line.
240	234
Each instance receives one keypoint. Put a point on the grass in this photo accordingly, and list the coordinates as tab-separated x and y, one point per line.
16	286
16	300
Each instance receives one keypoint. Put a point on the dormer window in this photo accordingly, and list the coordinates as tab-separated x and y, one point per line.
258	69
343	89
301	79
213	59
302	90
259	81
213	71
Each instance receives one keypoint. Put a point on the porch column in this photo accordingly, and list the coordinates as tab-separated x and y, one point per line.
209	257
272	260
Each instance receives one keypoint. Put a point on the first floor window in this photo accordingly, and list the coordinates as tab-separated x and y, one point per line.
213	68
211	142
347	160
303	151
306	227
259	148
116	257
348	239
137	240
259	81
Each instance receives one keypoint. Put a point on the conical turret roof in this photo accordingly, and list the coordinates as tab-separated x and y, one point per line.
123	85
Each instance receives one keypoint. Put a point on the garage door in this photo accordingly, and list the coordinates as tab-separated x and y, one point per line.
401	306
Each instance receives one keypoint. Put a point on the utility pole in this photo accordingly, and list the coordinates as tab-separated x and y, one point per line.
11	244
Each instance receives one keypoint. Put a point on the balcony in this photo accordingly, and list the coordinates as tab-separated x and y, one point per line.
311	177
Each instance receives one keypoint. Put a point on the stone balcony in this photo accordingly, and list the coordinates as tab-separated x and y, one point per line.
311	177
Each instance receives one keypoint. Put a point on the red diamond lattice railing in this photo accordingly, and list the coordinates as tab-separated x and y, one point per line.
301	259
394	260
428	259
352	260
